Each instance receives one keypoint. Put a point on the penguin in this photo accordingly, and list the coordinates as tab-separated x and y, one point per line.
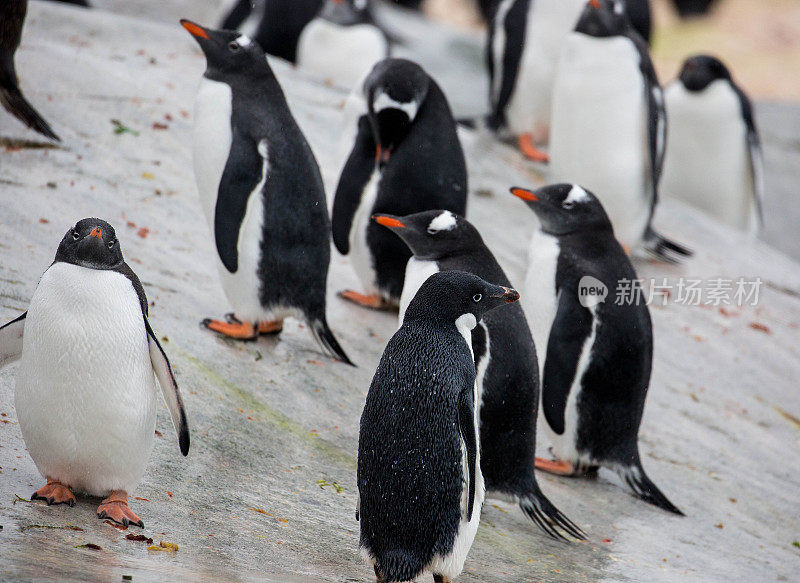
342	43
85	394
693	8
609	125
406	158
12	18
505	361
713	159
598	350
419	464
262	193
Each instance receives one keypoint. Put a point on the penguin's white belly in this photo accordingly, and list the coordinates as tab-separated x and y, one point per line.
707	162
598	136
539	300
341	53
361	256
85	393
417	273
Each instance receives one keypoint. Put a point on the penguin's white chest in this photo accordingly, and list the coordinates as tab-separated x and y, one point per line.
417	272
599	136
85	392
340	53
539	300
360	254
707	162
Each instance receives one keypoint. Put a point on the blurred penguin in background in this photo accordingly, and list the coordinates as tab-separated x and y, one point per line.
693	8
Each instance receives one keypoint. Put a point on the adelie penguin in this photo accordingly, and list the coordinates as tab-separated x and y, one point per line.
262	193
713	159
505	360
406	158
609	125
419	464
598	351
85	393
12	19
342	43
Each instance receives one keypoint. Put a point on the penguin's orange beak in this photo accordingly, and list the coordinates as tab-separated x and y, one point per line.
390	222
194	29
96	232
594	4
524	194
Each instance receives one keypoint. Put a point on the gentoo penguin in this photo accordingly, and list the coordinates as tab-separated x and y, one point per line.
599	351
85	395
342	43
693	8
713	159
12	17
406	158
419	468
262	193
609	124
505	359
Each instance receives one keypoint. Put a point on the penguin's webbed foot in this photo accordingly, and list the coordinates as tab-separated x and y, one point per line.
557	467
270	327
238	330
116	508
441	579
529	149
54	493
373	301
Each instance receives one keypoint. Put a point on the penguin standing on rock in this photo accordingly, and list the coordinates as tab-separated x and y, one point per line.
599	350
419	469
262	193
85	393
713	159
505	360
406	158
609	125
12	18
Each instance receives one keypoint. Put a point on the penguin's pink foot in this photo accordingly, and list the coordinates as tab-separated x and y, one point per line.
54	493
238	330
270	327
557	467
116	508
374	301
530	151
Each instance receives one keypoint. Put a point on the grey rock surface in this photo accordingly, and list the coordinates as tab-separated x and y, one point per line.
268	490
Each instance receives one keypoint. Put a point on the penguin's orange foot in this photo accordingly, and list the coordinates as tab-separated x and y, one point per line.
530	151
441	579
54	493
270	327
374	301
116	508
238	330
557	467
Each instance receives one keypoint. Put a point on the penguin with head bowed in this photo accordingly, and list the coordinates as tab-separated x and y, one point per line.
342	43
609	124
598	349
419	465
406	158
262	193
505	360
713	159
12	19
85	393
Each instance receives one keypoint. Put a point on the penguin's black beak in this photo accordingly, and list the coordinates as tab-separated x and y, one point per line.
509	295
388	221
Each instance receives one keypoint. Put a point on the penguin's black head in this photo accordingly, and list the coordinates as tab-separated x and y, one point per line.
394	90
346	12
700	71
603	18
90	243
433	235
565	208
227	52
457	297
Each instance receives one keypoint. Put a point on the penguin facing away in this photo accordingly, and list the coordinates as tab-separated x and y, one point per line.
599	351
262	193
609	125
505	360
713	159
419	470
85	392
406	158
12	19
342	43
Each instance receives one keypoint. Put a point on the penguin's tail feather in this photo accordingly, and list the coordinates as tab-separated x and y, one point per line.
16	104
399	565
663	249
327	341
547	517
634	476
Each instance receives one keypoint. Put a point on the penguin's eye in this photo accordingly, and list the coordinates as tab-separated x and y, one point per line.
111	244
234	46
432	231
476	298
76	235
567	204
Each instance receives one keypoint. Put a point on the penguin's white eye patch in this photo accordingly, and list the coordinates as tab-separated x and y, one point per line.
477	297
444	222
382	101
360	4
577	194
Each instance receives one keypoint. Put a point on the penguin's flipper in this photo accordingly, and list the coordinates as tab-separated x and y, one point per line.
356	174
15	103
11	340
326	339
547	517
466	425
169	388
663	249
568	334
637	480
754	149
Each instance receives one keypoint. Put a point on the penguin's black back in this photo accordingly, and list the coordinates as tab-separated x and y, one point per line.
282	24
